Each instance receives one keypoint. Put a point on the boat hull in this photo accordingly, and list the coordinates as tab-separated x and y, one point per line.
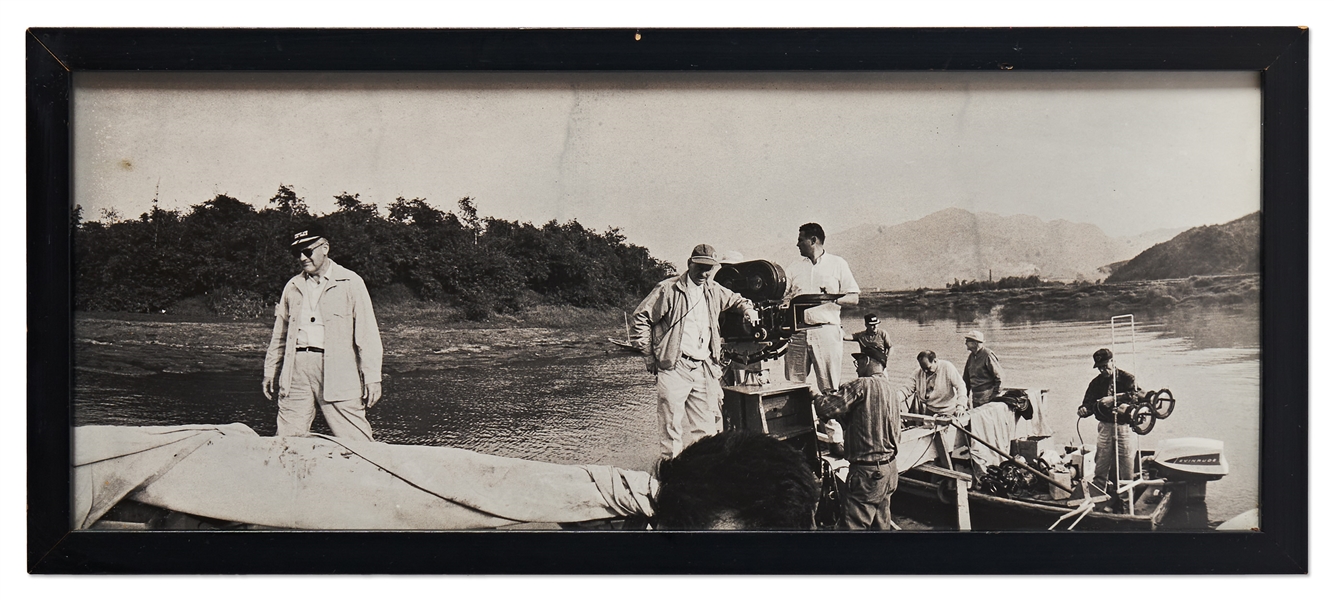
919	499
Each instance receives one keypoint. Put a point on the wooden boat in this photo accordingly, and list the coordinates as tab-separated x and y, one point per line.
936	486
1165	496
1167	490
624	344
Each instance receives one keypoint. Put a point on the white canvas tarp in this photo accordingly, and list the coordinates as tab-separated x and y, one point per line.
229	472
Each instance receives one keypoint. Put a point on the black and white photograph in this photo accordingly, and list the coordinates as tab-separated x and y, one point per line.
662	301
893	301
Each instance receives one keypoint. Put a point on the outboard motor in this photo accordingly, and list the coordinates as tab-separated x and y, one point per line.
1190	459
1188	464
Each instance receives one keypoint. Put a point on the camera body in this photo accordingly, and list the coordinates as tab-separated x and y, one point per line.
765	285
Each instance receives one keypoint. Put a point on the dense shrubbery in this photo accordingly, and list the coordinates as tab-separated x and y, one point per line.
235	257
1004	283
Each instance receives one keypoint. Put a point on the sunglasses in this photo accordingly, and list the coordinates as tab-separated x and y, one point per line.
307	252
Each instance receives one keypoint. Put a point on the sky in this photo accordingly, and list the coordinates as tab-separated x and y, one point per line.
738	160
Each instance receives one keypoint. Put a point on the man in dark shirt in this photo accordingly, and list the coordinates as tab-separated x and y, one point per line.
872	336
870	418
982	372
1114	434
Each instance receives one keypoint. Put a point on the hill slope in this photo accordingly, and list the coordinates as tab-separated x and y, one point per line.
1233	247
957	244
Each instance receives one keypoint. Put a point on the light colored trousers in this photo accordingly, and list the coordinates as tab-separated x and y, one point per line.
346	418
824	355
688	399
1127	443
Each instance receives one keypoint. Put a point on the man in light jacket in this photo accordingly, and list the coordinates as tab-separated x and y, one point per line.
325	348
676	327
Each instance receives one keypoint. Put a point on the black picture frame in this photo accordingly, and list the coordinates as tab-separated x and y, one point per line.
1278	54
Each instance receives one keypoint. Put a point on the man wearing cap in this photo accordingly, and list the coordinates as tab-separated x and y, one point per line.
1114	435
870	418
936	387
325	350
872	336
676	327
982	372
819	272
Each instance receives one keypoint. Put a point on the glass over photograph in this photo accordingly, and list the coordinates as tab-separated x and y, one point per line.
919	301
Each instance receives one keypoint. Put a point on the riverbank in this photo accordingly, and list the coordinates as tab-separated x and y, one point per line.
1075	301
416	336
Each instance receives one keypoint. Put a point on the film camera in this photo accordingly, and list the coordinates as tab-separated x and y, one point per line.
765	285
781	409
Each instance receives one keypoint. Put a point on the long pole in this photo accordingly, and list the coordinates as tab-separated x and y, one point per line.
1011	458
1116	426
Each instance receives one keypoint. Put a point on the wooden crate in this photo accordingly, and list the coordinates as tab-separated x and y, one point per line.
782	410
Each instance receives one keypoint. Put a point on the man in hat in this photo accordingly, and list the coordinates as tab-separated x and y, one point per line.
676	327
1114	435
982	372
819	272
870	418
872	336
325	350
936	388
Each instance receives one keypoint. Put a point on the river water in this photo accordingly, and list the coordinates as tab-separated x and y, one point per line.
601	410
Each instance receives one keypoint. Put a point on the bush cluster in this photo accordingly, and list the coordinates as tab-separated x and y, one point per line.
1004	283
227	255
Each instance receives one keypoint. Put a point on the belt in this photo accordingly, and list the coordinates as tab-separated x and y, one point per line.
872	463
310	349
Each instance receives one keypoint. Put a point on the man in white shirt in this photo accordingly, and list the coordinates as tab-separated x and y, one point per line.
819	272
936	388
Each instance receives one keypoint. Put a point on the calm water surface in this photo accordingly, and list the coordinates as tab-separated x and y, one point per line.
602	410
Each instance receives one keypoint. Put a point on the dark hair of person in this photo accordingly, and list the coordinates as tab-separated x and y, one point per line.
929	355
749	479
812	230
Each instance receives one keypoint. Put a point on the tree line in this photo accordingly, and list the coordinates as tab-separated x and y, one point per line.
1004	283
235	258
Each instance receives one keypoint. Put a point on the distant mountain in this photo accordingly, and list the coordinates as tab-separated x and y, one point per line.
1233	247
957	244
